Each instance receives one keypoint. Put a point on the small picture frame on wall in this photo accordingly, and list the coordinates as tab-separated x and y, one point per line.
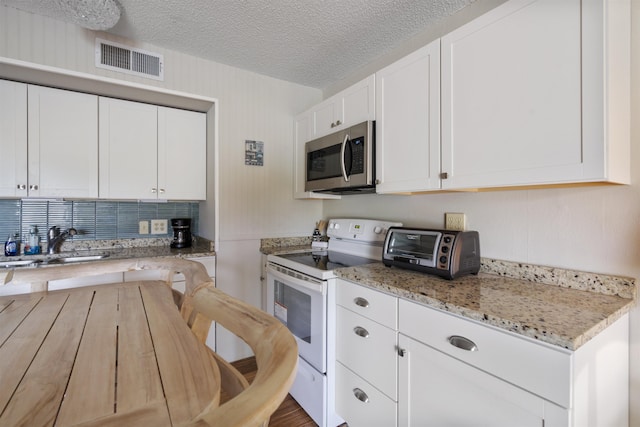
253	153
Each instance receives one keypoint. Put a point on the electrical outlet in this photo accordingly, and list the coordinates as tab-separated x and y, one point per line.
143	227
158	226
454	221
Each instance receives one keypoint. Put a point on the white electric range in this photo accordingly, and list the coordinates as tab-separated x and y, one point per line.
301	288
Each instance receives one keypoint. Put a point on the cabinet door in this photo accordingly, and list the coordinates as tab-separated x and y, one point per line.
359	102
327	116
511	97
360	404
435	389
368	349
351	106
128	150
408	123
63	143
182	154
13	139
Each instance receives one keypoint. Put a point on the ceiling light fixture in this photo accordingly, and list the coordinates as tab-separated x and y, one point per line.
92	14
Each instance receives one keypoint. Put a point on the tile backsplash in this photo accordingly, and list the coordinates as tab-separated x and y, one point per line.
94	220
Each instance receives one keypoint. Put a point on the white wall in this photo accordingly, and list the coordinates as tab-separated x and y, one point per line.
254	202
593	229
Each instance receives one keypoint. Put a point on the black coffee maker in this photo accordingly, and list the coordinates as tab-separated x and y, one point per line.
181	232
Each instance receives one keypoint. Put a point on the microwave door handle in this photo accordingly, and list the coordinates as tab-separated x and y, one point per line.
342	150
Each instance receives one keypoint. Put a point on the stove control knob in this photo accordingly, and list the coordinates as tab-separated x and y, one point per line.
337	226
377	229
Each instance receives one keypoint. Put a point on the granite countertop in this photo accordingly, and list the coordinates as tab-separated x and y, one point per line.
561	307
123	249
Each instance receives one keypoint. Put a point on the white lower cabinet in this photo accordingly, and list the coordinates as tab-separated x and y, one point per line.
437	389
402	363
366	353
361	404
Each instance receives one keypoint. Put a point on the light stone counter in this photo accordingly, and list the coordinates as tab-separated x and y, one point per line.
560	307
124	249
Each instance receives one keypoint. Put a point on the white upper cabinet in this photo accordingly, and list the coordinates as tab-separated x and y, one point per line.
349	107
537	92
48	141
150	152
353	105
128	150
182	148
13	139
408	123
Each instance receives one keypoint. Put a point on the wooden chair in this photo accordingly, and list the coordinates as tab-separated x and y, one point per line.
274	347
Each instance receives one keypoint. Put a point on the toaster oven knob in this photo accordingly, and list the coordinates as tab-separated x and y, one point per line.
447	239
443	259
445	249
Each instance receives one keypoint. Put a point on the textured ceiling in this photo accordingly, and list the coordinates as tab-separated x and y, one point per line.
310	42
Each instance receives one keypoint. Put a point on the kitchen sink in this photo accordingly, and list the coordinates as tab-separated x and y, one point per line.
79	258
23	263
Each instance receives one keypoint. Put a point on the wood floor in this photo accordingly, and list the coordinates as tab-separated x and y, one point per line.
289	414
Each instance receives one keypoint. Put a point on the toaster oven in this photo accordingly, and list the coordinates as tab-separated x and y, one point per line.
445	253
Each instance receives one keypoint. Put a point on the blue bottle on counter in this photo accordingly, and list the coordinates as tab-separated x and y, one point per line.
11	246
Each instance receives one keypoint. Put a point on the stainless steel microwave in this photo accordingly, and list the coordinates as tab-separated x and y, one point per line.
342	162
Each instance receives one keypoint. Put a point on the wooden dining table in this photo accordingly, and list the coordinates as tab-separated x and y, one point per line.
116	354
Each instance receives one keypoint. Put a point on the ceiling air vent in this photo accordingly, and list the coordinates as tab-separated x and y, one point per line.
117	57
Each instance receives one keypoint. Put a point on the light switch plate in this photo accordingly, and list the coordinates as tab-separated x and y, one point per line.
143	227
158	226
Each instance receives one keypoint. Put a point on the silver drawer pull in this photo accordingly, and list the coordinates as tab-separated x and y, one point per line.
360	331
359	301
463	343
360	395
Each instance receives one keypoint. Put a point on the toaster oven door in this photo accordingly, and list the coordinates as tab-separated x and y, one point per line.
419	247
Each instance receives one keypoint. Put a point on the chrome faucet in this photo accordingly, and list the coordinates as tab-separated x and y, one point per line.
55	238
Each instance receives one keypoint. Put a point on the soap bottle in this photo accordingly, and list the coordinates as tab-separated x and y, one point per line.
11	246
33	247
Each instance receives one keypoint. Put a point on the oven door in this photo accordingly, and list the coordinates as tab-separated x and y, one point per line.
301	305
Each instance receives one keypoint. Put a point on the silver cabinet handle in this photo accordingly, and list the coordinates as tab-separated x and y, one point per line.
154	190
333	125
162	191
463	343
338	122
21	187
361	302
360	395
361	332
33	187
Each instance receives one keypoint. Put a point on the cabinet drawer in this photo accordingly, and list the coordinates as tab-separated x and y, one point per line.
368	349
367	302
360	404
535	367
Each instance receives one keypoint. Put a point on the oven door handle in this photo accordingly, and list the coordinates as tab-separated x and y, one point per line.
311	285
